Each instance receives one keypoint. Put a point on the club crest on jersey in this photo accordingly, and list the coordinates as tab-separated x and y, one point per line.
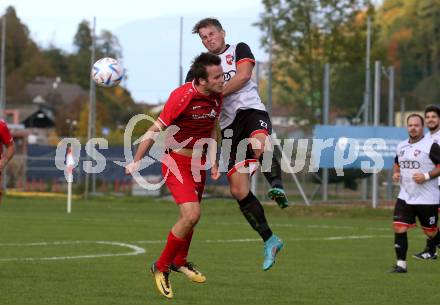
416	152
229	59
213	114
401	153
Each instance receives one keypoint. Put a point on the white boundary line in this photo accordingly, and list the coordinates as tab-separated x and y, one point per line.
136	250
291	225
331	238
246	240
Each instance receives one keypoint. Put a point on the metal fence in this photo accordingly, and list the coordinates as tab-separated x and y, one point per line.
37	172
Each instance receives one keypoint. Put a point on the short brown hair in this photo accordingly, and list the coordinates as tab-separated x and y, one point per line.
416	115
198	68
207	22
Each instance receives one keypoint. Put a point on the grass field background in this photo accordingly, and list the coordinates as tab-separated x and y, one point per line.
333	255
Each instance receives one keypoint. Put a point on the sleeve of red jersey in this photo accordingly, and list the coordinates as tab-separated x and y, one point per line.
243	54
5	134
175	105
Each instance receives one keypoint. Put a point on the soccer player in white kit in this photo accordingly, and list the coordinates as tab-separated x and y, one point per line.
432	119
244	117
243	112
417	163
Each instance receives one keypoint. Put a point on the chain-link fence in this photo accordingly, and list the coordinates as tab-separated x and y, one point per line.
37	172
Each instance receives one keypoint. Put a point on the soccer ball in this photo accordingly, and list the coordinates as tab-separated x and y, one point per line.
107	72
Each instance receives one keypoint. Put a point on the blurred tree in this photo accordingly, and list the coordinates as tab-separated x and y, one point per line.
59	61
108	45
83	37
79	63
83	123
17	41
307	34
23	58
428	27
410	34
116	136
36	65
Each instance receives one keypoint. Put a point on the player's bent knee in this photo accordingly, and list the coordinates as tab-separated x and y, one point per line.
239	191
400	228
258	153
191	219
258	144
431	232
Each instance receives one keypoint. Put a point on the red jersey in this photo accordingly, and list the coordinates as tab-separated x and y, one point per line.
5	135
192	111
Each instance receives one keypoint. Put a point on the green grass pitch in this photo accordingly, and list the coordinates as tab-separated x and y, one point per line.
332	255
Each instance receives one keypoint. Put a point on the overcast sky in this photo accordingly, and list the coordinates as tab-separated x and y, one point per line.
55	20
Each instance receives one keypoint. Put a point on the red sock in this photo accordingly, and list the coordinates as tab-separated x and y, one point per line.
173	245
181	256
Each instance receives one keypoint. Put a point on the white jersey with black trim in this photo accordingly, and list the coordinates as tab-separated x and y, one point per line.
245	98
420	157
436	138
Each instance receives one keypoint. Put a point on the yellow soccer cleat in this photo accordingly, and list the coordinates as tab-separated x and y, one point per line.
162	281
191	272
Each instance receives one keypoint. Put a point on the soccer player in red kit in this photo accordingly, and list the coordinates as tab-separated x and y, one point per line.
6	140
194	108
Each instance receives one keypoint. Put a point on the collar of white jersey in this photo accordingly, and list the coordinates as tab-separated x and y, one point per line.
409	139
437	133
224	51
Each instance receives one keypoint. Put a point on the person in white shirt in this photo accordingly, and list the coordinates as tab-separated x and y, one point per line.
432	119
244	119
417	163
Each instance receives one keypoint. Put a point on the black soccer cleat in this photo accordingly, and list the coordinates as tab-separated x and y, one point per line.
425	255
398	269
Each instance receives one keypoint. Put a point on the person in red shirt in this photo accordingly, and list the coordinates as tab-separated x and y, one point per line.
194	108
6	140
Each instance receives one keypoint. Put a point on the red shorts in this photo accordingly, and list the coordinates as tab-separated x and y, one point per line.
186	177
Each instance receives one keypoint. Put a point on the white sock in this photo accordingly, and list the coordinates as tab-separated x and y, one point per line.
401	264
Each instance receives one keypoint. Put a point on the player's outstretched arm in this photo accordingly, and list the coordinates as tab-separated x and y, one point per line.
147	141
212	154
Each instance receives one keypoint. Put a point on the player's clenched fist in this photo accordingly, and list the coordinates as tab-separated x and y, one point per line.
131	168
